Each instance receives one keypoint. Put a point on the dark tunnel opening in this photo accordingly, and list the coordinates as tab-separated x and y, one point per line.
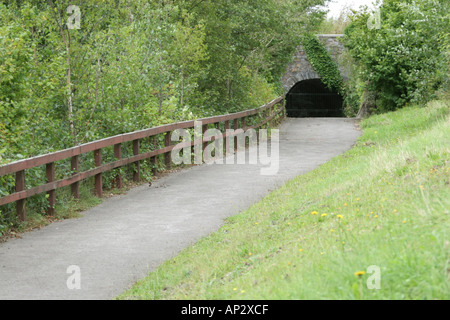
311	98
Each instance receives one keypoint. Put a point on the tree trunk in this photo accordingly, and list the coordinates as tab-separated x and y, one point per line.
368	104
69	95
182	88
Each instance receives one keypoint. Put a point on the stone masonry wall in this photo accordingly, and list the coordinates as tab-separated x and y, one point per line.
301	69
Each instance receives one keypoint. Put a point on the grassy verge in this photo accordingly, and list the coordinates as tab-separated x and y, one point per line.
385	203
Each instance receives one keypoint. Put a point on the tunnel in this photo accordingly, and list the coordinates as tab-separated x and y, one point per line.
312	98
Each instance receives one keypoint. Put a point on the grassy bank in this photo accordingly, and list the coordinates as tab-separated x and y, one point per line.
385	203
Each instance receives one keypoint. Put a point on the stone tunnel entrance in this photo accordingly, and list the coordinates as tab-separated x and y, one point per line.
311	98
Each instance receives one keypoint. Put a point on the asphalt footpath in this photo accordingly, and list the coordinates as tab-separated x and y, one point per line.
111	246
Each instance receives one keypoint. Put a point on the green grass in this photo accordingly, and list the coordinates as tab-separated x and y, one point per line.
66	208
392	191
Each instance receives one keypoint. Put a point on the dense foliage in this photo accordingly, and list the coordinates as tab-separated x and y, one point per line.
323	63
143	62
403	59
130	65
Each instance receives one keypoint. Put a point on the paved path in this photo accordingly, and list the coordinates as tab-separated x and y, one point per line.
121	240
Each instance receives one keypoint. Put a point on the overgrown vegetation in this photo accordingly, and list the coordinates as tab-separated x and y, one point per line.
323	63
404	58
133	65
384	203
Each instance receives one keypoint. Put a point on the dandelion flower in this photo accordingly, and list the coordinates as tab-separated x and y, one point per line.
314	213
360	273
340	216
323	215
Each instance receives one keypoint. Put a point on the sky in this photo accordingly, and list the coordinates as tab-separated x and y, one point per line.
336	6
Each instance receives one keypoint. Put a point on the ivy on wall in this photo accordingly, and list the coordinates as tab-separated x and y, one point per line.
323	64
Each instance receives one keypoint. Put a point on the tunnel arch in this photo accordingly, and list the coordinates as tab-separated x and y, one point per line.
312	98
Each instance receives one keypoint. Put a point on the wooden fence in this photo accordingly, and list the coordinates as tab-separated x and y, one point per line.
268	113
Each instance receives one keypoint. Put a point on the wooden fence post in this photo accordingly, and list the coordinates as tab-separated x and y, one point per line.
205	144
243	124
118	156
21	204
226	127
155	158
74	164
236	126
167	158
98	177
137	171
50	173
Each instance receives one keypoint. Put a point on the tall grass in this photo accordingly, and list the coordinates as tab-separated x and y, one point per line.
385	203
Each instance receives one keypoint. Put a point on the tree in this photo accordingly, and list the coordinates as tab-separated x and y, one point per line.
402	60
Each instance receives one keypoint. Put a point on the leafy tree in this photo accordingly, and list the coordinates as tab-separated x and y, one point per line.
133	65
403	60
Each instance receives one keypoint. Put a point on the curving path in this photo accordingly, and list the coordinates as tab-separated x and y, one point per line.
121	240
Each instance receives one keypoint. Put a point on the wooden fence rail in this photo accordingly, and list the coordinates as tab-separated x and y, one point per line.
268	112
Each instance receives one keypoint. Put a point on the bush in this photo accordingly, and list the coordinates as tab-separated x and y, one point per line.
403	60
